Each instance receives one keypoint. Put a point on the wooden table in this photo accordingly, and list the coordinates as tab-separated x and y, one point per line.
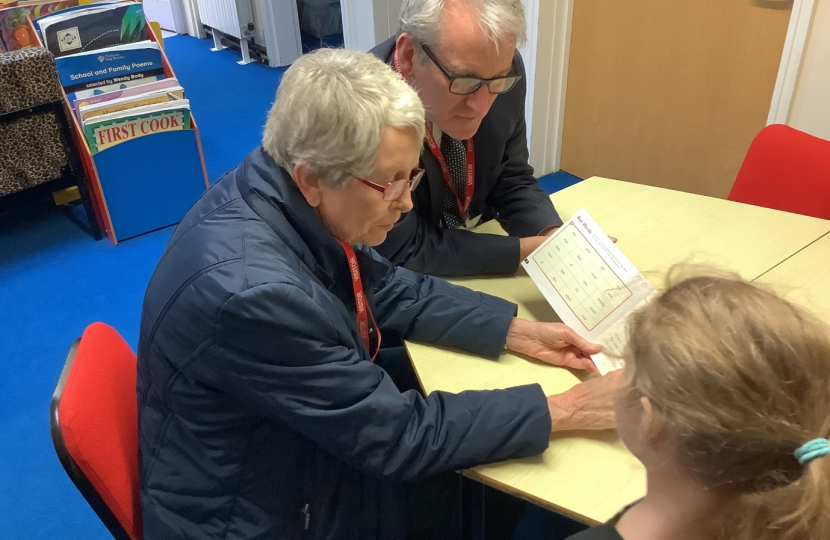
591	476
659	227
804	278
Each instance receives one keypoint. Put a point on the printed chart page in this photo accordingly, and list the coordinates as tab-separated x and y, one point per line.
590	284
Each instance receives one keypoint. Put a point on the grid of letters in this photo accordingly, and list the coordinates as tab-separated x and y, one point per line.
590	288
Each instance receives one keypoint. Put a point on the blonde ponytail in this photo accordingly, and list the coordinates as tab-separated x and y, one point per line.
798	511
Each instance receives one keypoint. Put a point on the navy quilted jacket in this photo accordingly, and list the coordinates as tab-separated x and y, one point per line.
260	413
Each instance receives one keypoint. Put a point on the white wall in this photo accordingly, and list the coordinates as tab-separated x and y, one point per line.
386	18
810	110
161	11
368	22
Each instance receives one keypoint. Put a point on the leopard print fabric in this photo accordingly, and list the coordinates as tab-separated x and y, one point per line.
32	150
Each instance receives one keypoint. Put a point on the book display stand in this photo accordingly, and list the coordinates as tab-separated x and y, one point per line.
146	183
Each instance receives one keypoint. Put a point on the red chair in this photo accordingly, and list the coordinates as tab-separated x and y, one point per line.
94	420
786	169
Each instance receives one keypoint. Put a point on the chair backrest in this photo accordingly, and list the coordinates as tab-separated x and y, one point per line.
786	169
94	421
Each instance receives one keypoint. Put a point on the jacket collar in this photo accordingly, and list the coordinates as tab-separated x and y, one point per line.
272	193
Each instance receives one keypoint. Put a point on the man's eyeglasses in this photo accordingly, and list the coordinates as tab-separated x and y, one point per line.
463	85
393	190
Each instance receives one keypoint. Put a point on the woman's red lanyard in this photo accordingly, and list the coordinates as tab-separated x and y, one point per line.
470	168
363	311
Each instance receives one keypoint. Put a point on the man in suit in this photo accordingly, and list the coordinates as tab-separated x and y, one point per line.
461	58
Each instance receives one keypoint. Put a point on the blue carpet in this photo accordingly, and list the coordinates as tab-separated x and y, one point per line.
230	102
55	280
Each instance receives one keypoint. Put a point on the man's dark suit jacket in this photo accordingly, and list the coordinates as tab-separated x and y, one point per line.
505	189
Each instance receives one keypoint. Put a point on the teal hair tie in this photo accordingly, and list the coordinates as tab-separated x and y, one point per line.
812	450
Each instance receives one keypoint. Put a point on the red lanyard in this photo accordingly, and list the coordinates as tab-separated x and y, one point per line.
470	166
463	207
363	311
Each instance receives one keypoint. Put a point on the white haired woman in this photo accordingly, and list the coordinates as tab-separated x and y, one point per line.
262	410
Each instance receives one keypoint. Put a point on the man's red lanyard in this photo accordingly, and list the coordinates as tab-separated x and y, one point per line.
469	169
363	311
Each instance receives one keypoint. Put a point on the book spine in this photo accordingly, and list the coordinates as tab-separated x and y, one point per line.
161	98
108	134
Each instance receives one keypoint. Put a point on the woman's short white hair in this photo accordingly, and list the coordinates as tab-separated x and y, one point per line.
498	19
332	108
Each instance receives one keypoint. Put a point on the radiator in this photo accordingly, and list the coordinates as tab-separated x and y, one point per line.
232	17
270	23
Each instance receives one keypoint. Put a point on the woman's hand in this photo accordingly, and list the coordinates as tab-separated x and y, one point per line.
553	343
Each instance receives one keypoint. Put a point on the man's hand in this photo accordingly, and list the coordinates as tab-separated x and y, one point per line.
588	405
553	343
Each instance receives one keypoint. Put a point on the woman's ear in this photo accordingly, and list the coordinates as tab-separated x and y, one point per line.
308	183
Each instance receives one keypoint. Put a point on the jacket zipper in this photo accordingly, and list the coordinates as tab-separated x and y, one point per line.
307	515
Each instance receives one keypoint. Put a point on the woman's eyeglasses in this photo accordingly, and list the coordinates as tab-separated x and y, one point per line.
463	85
393	189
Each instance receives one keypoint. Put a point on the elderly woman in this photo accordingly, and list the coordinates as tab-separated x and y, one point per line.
264	409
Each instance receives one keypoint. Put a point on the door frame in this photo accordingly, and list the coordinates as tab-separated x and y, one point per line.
528	52
793	54
547	71
193	22
550	91
358	24
179	16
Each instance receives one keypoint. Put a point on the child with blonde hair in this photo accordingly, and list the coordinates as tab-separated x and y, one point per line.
726	401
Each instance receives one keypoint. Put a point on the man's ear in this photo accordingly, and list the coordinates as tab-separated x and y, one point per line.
405	49
308	183
653	426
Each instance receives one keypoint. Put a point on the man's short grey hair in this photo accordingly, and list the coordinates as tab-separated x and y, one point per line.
332	108
498	19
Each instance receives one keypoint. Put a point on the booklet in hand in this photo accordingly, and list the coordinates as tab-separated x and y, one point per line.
590	284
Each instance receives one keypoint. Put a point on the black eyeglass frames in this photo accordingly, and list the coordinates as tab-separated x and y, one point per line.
463	85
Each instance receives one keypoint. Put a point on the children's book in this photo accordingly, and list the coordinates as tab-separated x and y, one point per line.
108	130
85	113
590	284
80	4
91	92
123	63
15	32
165	84
97	27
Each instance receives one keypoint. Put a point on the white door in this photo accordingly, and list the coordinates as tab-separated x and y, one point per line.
161	12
